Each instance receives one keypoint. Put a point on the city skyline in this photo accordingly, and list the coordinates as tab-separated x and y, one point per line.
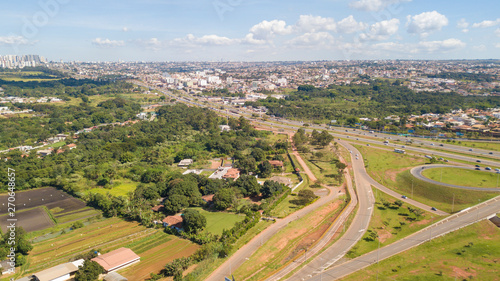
234	30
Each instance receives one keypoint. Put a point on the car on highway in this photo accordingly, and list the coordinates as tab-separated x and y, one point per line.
478	161
496	169
445	160
478	166
403	146
404	197
357	139
441	145
367	144
478	169
434	209
441	159
347	136
490	152
487	169
432	144
470	149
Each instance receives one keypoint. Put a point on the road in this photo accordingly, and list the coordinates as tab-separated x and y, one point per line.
449	224
238	258
417	172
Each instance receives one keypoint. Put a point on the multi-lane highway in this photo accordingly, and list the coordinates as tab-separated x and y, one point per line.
449	224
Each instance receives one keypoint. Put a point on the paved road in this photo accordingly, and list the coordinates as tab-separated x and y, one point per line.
452	223
355	231
238	258
417	172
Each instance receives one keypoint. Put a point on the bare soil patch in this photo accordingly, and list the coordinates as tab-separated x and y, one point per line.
30	220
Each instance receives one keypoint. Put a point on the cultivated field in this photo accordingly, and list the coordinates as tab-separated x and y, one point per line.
30	220
30	210
153	246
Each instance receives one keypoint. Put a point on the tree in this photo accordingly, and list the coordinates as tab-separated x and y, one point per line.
258	154
21	245
223	198
89	271
265	169
246	165
193	221
271	188
248	185
173	204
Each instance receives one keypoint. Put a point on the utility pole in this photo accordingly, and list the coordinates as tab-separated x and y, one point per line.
453	205
412	189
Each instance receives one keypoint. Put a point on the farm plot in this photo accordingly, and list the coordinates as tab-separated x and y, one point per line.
34	198
30	220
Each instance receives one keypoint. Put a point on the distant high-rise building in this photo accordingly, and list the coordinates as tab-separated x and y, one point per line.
11	61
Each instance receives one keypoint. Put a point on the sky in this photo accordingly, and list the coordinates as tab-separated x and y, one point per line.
250	30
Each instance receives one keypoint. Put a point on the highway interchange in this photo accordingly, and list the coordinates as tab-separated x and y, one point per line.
328	265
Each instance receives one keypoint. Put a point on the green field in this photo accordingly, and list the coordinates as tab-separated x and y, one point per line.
390	224
122	188
470	253
463	177
218	221
444	198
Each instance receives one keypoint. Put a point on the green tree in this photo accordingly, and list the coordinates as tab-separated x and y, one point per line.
265	169
271	188
193	221
223	198
89	271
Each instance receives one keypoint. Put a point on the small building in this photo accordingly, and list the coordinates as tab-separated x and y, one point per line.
185	163
224	128
44	152
158	208
208	198
62	272
71	146
232	173
117	259
276	163
173	222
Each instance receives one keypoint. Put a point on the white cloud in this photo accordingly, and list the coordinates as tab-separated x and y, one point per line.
312	39
309	23
249	39
106	43
480	48
190	39
441	46
125	29
426	22
151	44
14	40
463	24
374	5
381	30
497	45
486	23
266	30
497	32
350	25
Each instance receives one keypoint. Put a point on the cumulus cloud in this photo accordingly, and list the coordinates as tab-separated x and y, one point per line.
309	23
190	39
266	30
426	22
350	25
249	39
312	39
107	43
14	40
486	23
374	5
380	30
463	25
152	44
441	46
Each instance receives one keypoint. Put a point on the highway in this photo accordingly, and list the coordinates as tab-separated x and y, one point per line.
417	172
449	224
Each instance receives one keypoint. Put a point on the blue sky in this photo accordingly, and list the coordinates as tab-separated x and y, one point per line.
250	30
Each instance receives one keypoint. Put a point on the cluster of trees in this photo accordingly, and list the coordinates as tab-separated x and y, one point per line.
379	99
20	243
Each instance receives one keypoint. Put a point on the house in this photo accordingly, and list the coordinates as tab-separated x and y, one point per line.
185	163
224	128
44	152
65	271
62	137
276	163
219	173
232	173
114	276
208	198
117	259
71	146
158	208
173	222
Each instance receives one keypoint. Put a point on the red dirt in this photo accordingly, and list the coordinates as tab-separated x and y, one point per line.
384	235
214	164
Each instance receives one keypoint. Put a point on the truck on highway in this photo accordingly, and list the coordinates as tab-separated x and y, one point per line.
402	151
428	156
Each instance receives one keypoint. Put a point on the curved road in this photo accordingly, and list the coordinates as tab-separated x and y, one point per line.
417	172
449	224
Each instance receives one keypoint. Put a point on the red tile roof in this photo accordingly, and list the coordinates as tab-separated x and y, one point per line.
116	259
276	163
208	198
174	221
232	173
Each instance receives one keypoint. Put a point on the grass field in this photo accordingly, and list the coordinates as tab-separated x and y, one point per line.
390	224
392	170
471	253
463	177
105	235
120	188
218	221
493	146
288	243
